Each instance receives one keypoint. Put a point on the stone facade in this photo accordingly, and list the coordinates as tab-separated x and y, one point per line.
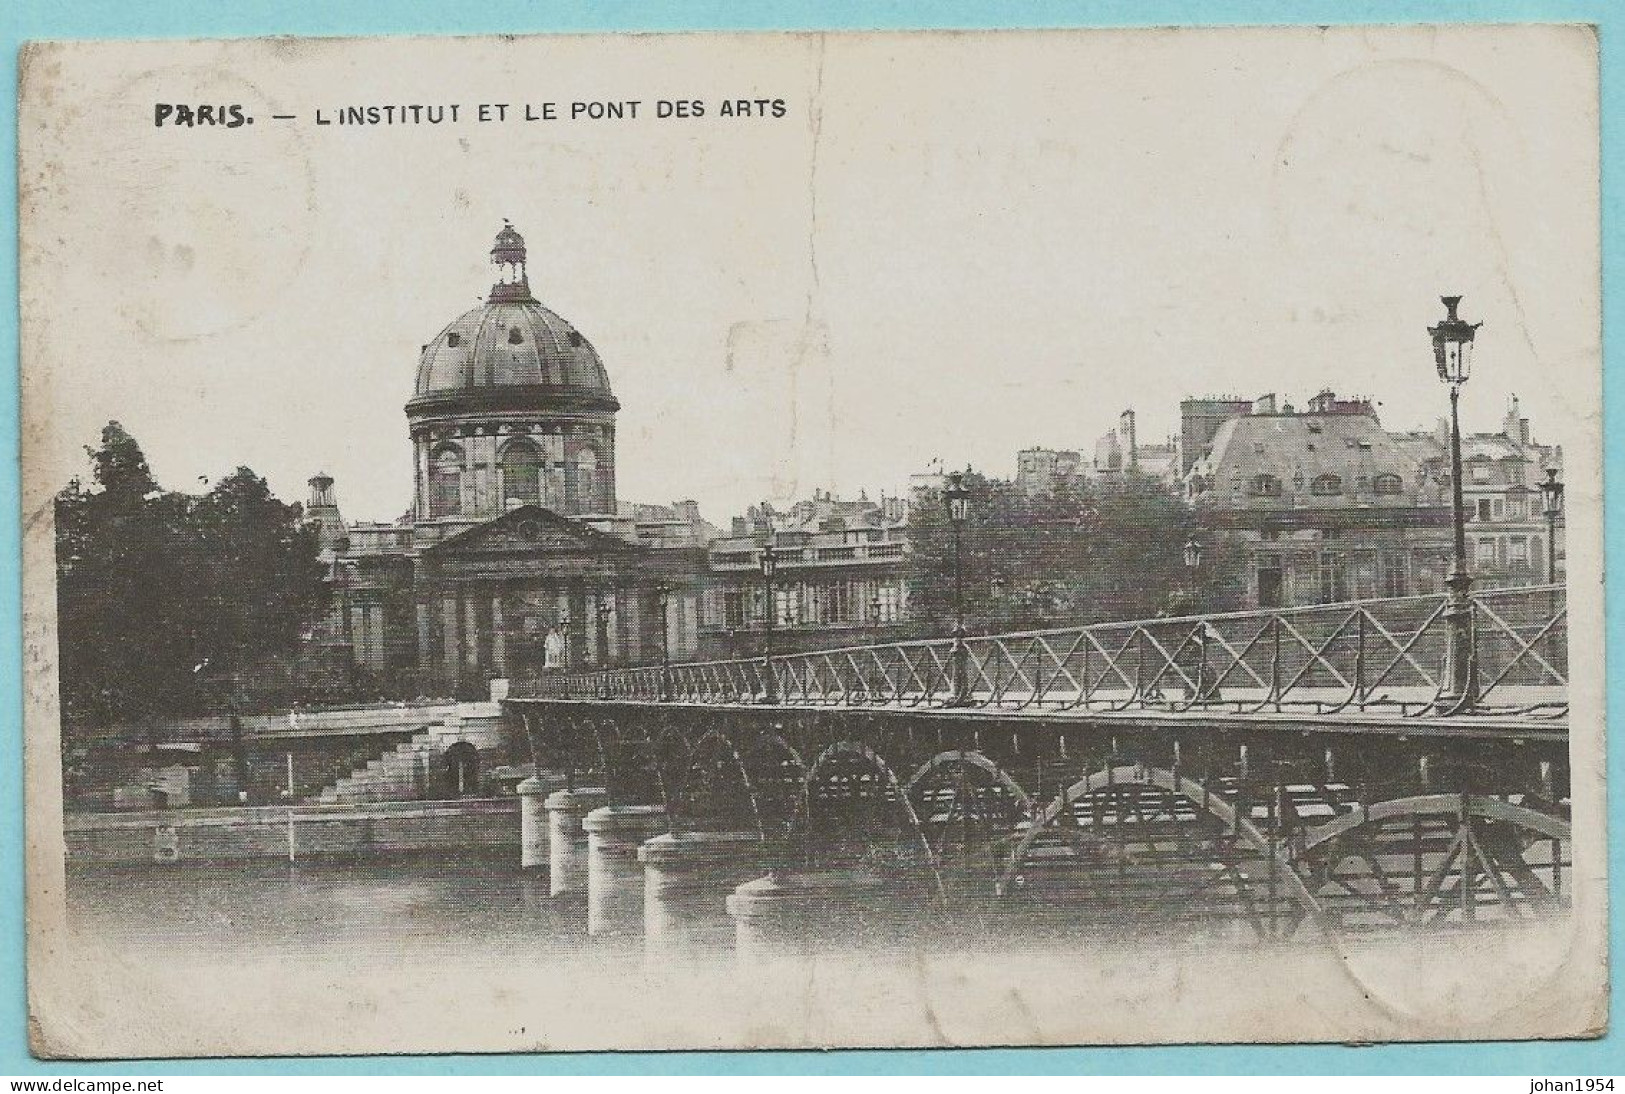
842	577
514	559
1324	504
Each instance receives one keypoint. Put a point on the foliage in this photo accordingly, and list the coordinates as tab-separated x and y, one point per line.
165	600
1083	554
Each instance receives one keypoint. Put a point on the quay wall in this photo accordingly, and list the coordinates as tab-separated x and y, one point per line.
319	831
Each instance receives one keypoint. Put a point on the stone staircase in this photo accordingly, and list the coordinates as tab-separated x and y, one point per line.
415	768
407	772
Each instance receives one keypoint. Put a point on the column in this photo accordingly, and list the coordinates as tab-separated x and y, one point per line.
686	881
425	636
566	841
499	645
450	654
784	915
614	875
612	627
632	603
471	630
358	633
534	820
589	627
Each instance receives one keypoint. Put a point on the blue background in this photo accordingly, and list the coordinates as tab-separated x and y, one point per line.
32	19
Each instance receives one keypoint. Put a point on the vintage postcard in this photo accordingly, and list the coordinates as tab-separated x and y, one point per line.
791	540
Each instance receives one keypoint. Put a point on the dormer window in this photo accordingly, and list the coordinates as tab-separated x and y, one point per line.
453	340
1388	484
1266	486
514	337
1326	485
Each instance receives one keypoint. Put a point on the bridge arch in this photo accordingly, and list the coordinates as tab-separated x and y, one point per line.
857	750
1192	791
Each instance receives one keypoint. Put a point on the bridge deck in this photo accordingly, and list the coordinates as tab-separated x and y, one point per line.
1481	725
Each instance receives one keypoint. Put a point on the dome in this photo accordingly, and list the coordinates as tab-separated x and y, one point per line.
510	353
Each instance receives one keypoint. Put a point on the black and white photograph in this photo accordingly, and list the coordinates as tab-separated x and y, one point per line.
773	541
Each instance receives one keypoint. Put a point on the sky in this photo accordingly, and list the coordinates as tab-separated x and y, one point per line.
951	246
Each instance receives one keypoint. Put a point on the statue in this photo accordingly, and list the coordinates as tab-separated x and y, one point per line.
553	650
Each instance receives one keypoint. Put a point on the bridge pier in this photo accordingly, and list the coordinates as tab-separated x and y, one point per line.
566	840
783	915
614	876
686	879
533	818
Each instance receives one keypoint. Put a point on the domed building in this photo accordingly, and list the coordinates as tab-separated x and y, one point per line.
513	560
512	406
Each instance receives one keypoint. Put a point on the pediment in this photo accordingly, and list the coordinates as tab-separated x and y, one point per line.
531	530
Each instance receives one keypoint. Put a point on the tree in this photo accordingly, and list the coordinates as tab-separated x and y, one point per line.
1080	555
165	599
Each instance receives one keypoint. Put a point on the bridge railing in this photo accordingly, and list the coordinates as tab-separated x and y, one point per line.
1389	655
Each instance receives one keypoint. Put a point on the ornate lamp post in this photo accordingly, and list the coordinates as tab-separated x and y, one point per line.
957	499
664	594
770	565
564	633
1193	564
1551	506
1453	358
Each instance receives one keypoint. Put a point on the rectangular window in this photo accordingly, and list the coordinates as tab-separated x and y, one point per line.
1363	565
1395	574
1334	582
837	603
1484	509
1498	509
1518	553
787	607
1485	553
891	603
733	608
1270	581
1514	508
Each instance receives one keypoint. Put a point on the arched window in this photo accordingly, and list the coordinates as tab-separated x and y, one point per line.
1266	486
1388	484
521	466
446	481
1326	485
584	480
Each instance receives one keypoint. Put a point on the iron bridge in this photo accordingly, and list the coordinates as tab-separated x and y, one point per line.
1270	768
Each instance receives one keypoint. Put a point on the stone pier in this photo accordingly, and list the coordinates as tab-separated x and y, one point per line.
533	818
614	876
787	914
566	840
686	881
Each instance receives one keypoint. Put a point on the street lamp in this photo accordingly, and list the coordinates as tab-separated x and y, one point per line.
957	499
1551	506
1192	552
664	595
1193	564
770	564
1453	358
605	610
